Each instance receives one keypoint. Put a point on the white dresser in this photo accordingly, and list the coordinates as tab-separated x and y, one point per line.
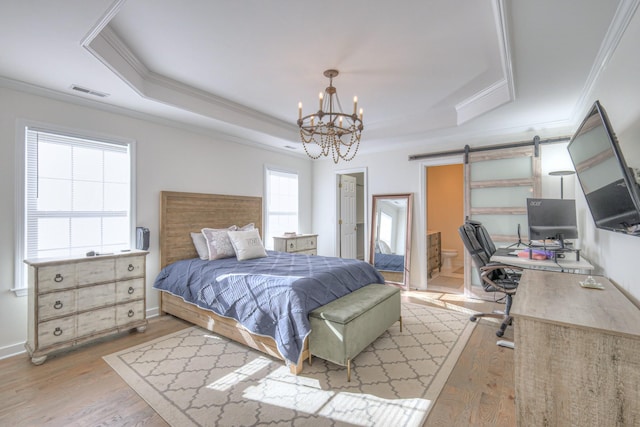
74	300
301	244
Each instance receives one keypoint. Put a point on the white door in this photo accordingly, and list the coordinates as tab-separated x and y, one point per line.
348	228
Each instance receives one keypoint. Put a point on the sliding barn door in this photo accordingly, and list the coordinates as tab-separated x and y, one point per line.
497	184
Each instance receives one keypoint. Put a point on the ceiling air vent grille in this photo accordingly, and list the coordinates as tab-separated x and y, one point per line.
89	91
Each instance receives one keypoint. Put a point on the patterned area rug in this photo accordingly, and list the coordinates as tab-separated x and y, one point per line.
194	378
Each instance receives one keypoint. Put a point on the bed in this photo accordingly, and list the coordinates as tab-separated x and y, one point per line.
184	213
390	265
389	262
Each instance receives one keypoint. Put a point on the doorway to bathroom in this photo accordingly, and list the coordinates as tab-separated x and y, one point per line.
444	214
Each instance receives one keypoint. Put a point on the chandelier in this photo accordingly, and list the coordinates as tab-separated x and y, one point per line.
330	130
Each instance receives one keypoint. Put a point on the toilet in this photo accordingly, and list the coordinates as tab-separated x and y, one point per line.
447	256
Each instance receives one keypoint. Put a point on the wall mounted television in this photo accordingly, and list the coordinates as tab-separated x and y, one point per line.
612	194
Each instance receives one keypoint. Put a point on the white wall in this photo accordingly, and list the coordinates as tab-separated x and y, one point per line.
168	158
392	172
614	255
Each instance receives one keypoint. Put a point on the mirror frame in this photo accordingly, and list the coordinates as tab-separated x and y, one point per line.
407	250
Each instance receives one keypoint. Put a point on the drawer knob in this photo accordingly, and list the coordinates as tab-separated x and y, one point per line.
57	332
131	290
57	305
131	267
291	245
130	313
58	278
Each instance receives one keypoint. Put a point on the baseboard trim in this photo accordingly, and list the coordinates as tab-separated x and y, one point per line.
16	349
12	350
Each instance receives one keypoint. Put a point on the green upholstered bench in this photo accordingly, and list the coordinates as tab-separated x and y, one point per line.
343	328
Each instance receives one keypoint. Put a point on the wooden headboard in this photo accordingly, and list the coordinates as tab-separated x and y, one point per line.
183	213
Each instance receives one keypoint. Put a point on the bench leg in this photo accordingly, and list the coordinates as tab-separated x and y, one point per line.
400	324
348	370
309	358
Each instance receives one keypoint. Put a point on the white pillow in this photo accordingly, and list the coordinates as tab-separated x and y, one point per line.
201	245
247	227
247	244
218	243
384	247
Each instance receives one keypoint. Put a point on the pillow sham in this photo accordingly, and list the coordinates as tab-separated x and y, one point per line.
247	227
200	244
218	243
247	244
384	247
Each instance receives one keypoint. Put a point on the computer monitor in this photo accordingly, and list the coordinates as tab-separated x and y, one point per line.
552	219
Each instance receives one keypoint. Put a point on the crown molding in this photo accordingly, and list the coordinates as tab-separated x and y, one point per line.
624	13
502	91
112	51
104	20
483	101
81	101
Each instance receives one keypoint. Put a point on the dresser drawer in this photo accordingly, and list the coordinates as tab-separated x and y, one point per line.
91	297
129	290
130	312
56	277
56	331
95	321
75	299
95	271
291	245
127	267
56	304
308	252
306	243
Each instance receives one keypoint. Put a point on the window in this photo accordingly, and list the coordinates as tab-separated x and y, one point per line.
281	207
77	196
386	225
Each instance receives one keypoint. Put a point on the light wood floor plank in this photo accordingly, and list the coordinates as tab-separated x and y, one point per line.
77	388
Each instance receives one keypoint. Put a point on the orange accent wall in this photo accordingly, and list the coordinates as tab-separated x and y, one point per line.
445	204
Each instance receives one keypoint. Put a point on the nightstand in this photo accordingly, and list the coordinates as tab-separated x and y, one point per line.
299	244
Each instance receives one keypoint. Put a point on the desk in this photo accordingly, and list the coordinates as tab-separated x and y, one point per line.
577	353
567	264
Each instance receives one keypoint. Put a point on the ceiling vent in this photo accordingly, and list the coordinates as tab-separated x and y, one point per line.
89	91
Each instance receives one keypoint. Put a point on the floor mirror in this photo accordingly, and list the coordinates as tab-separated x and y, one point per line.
390	246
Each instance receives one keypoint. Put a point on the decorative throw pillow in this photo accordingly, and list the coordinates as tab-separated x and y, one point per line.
200	244
218	243
247	244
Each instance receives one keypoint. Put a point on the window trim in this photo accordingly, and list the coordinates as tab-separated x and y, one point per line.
20	284
265	210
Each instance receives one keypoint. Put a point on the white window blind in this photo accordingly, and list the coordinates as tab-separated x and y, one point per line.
77	196
281	204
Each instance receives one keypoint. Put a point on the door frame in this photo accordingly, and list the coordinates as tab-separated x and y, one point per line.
421	204
365	204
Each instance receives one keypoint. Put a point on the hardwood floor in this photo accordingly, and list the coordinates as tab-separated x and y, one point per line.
77	388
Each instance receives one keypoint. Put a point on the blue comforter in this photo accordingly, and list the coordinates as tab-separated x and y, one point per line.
389	262
269	296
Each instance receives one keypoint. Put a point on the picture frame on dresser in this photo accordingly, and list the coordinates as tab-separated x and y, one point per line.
75	300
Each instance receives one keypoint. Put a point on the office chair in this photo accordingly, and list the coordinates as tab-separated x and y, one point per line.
496	277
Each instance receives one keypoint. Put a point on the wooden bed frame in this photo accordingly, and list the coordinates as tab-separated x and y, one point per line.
184	213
